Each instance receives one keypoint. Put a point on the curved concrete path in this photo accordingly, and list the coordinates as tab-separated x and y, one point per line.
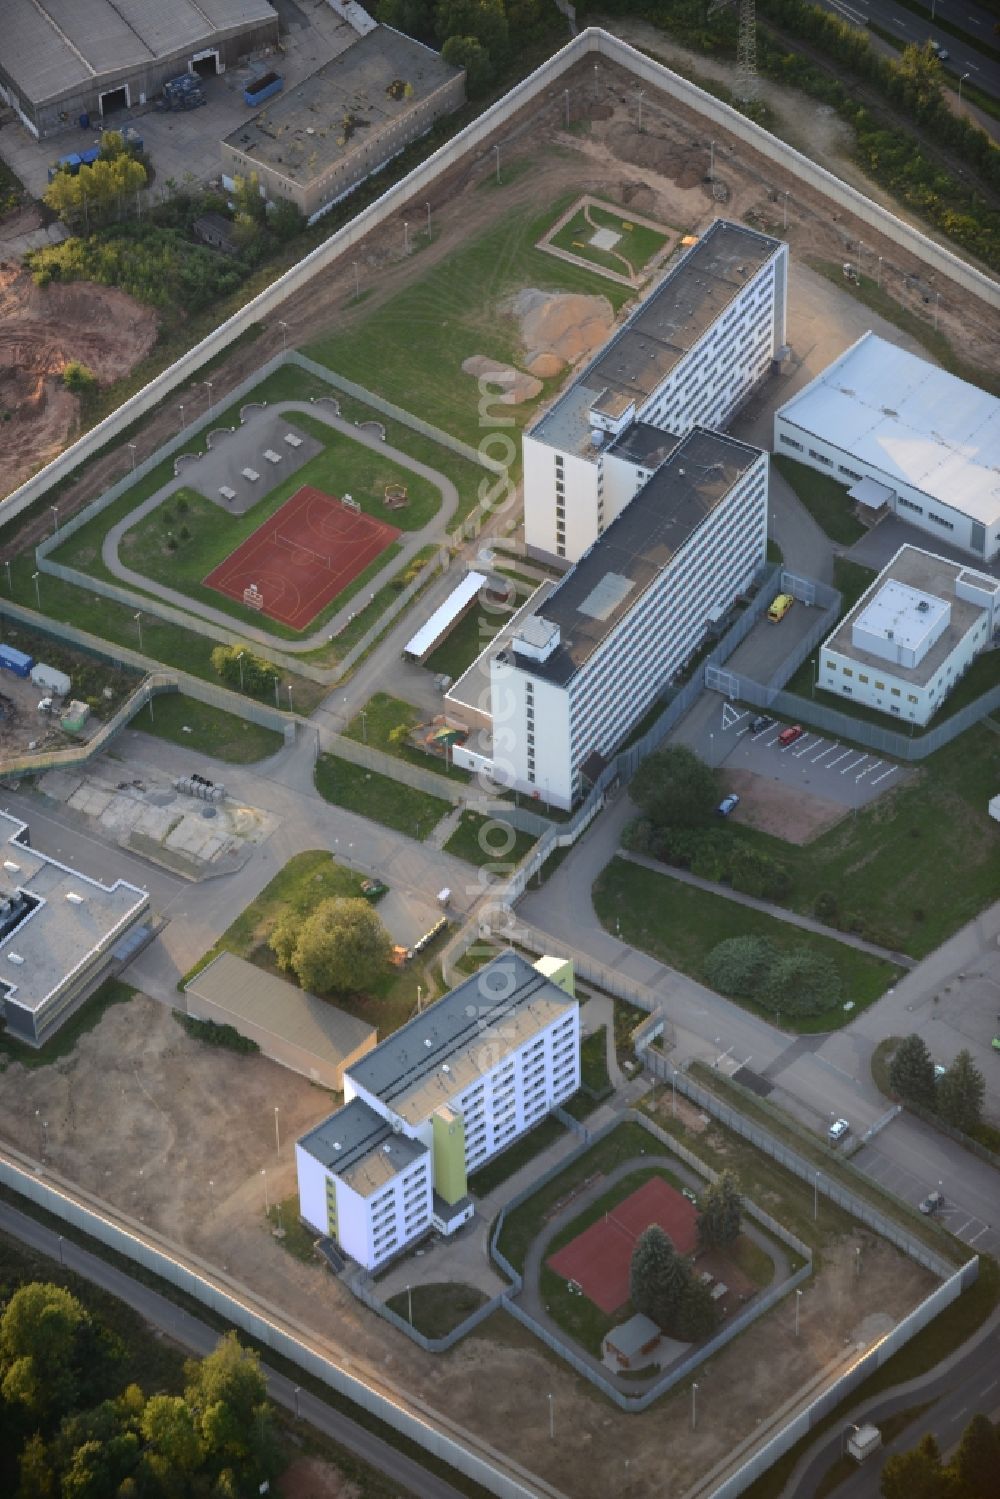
531	1299
410	541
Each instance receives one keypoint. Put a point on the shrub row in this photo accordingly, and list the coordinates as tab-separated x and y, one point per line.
712	853
793	981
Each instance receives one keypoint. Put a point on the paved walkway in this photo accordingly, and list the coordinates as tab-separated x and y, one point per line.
410	541
780	913
531	1299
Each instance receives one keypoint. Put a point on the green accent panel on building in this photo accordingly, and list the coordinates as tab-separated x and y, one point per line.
449	1154
331	1208
558	971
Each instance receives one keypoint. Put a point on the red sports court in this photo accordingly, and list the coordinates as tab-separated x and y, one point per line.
302	557
599	1258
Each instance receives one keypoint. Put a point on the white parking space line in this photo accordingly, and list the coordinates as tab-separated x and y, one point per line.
960	1231
773	739
867	770
839	758
830	750
854	764
806	746
979	1235
891	771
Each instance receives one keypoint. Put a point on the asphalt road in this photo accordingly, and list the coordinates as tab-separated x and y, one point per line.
200	1339
969	1385
963	55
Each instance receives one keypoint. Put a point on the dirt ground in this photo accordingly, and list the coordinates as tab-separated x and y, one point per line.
661	173
775	807
311	1478
42	329
177	1135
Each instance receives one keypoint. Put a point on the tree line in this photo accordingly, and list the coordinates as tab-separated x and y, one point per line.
957	1096
69	1431
481	36
973	1473
662	1283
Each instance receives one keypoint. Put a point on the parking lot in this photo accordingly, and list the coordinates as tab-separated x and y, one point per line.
812	762
959	1220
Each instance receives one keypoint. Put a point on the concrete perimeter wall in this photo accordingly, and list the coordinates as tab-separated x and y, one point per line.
591	42
403	1412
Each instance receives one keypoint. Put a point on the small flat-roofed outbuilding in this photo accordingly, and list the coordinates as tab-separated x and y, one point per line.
630	1344
289	1025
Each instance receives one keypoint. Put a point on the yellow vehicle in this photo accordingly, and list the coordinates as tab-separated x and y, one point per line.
780	607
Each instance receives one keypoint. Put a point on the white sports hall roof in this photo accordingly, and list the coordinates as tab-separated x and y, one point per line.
913	422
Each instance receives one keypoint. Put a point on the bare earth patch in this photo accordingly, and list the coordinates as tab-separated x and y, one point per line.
774	807
42	329
311	1478
515	384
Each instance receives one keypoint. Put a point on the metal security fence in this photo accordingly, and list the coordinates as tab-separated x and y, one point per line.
359	1286
821	1181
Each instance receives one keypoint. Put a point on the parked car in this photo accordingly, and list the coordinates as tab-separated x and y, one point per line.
932	1203
789	735
940	52
838	1131
760	723
995	1043
728	804
372	889
780	607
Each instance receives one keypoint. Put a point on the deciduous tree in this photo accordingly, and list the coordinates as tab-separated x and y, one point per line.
720	1211
39	1342
976	1464
675	789
340	947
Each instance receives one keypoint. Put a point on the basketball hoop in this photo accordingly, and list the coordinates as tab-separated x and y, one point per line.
252	597
350	504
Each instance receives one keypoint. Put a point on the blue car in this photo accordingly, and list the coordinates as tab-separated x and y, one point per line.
728	804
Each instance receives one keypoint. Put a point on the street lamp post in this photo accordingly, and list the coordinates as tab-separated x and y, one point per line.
357	282
861	246
289	697
496	150
138	620
409	1305
284	336
816	1197
785	219
55	512
295	1396
673	1092
552	1418
208	386
937	308
406	238
180	408
798	1302
878	272
364	726
428	207
640	95
61	1259
566	103
132	449
239	663
694	1406
277	1136
267	1205
711	161
960	82
38	597
420	996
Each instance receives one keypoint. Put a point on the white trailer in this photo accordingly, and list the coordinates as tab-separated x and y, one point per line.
863	1441
53	681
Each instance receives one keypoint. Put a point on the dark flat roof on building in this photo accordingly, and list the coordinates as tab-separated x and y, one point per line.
54	46
461	1036
613	575
661	330
644	444
304	131
358	1145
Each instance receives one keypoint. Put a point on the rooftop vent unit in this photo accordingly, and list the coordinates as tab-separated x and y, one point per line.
337	1145
13	868
923	607
428	1042
445	1067
15	957
387	1148
888	411
73	898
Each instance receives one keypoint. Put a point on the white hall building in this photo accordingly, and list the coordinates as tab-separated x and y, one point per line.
687	356
582	668
434	1102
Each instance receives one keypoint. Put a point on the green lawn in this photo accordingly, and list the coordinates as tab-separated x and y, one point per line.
825	499
437	1308
466	640
111	992
679	925
305	880
411	349
637	245
523	1150
374	725
297	1240
488	840
206	730
391	803
594	1062
173	645
917	864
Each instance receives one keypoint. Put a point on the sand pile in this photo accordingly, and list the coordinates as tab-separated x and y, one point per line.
514	384
558	328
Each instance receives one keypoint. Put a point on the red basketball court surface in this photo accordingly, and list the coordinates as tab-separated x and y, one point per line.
302	557
599	1258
